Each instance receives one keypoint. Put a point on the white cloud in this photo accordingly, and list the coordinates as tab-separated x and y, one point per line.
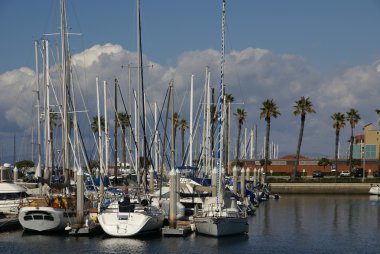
251	75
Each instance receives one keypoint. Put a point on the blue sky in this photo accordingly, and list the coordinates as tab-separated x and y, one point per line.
326	33
283	50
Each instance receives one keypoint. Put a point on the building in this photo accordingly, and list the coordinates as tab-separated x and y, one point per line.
367	145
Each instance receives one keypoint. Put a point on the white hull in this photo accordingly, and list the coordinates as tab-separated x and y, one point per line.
374	190
44	214
221	226
43	219
222	220
11	196
126	224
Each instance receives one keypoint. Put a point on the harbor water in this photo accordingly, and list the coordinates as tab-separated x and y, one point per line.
292	224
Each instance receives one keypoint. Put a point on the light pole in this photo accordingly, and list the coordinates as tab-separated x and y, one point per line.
363	158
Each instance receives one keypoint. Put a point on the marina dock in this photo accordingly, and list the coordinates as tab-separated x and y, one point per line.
321	188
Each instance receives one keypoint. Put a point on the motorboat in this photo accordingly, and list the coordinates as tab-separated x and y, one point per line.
11	196
374	189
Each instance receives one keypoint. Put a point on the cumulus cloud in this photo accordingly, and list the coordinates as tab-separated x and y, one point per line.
252	75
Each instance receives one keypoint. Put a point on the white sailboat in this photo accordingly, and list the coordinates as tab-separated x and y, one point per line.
126	218
220	215
57	208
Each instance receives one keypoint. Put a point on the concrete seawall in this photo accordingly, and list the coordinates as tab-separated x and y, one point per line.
321	188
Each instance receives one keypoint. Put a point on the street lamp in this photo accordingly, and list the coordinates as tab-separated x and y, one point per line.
363	158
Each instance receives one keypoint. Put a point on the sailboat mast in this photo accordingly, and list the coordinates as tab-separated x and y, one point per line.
115	134
65	122
142	94
48	161
39	151
191	122
106	135
221	111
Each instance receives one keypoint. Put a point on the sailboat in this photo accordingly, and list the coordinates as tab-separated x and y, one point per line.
220	215
125	218
57	207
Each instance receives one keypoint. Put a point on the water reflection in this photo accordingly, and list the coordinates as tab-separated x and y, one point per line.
293	224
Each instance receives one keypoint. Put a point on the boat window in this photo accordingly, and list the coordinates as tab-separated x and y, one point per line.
5	196
49	217
38	217
28	217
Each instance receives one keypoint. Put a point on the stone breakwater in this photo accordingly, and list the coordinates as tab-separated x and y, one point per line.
321	188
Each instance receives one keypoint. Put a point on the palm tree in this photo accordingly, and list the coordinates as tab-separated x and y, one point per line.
241	115
339	123
94	124
268	111
123	122
353	118
183	125
302	107
378	113
228	100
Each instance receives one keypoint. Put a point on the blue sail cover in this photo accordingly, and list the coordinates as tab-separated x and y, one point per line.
97	181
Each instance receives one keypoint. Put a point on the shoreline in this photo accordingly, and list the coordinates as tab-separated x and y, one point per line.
321	188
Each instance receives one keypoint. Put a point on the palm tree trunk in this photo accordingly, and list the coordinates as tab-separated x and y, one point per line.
295	168
183	143
238	143
266	149
351	147
337	132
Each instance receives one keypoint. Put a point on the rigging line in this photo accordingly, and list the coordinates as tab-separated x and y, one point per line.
160	121
182	101
195	128
130	126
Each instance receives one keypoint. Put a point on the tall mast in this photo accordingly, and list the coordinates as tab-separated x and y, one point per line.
191	122
116	127
138	91
38	170
100	147
219	157
106	135
142	93
65	121
48	162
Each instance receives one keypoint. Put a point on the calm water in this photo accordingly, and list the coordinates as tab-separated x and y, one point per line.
293	224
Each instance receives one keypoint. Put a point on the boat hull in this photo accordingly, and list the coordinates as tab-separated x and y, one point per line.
129	224
43	219
374	190
221	226
11	197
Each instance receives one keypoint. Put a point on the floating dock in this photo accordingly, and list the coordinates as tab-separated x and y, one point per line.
182	228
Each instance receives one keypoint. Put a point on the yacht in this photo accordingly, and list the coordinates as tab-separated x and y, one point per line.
221	218
126	219
11	196
374	190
